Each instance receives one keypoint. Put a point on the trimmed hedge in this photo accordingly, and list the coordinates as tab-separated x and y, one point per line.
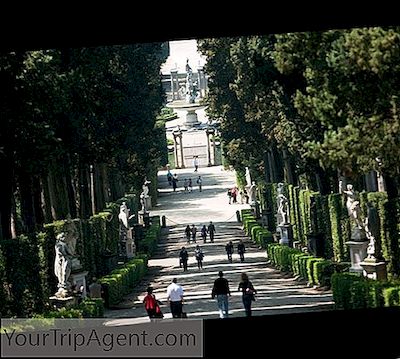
391	296
121	281
317	271
351	291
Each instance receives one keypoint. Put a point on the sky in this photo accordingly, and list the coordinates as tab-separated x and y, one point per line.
179	52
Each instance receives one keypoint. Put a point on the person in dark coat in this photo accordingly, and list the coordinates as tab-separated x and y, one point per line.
241	249
229	250
248	293
183	256
211	231
221	291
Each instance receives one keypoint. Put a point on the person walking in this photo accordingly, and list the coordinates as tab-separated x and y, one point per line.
221	291
151	304
248	293
230	195
175	298
188	233
185	185
175	181
190	185
198	253
169	177
234	192
229	250
195	163
204	233
241	249
199	182
183	258
194	231
211	231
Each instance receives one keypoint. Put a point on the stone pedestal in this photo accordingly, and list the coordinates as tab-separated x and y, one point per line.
191	118
358	252
148	202
62	302
79	279
144	217
286	234
373	269
130	245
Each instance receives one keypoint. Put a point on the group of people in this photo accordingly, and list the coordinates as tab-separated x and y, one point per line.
191	232
184	257
241	249
220	291
187	182
233	195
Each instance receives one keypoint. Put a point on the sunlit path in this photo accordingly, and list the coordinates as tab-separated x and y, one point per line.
276	294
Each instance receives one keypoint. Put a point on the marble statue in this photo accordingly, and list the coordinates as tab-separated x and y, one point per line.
371	226
353	206
283	210
62	264
252	193
123	217
191	90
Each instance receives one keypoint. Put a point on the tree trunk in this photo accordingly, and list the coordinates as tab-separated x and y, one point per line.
6	193
288	171
105	182
85	207
26	200
267	168
392	217
71	193
37	202
48	216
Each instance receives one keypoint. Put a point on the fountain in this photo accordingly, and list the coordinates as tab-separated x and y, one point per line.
189	104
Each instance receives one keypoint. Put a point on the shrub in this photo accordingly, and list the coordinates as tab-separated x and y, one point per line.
391	296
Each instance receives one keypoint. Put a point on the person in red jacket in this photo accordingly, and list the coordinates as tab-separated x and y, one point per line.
151	304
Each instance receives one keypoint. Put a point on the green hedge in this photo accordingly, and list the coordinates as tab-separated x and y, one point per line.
317	271
121	281
391	296
352	291
149	243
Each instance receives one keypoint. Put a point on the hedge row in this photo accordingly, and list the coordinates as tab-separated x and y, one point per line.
149	243
258	234
121	281
317	271
27	284
312	213
351	291
89	308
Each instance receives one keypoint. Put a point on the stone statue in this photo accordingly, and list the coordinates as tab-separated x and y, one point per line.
252	193
191	91
123	217
371	226
283	210
145	188
353	206
62	264
144	195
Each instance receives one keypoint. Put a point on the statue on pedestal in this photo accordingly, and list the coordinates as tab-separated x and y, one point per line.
144	195
191	91
371	226
353	206
283	210
62	264
252	193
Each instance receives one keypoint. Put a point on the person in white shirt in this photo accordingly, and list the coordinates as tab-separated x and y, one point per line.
175	298
195	163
